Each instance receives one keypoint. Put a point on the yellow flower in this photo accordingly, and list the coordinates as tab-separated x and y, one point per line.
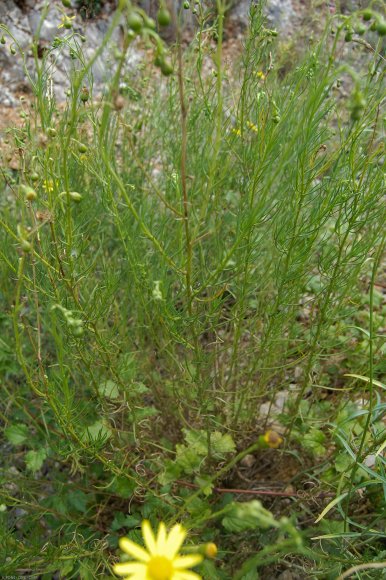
273	439
66	21
237	132
260	75
48	185
252	126
211	550
161	560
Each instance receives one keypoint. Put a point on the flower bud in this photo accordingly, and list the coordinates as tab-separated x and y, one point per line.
135	21
82	148
119	103
163	17
84	95
25	246
166	67
158	60
75	196
78	331
381	27
211	550
29	193
360	28
150	23
357	105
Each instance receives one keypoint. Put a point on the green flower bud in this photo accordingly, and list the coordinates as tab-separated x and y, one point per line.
150	23
360	29
74	322
135	21
186	5
51	132
381	27
166	67
82	148
163	17
25	246
29	193
84	95
66	3
158	61
2	40
358	103
367	14
75	196
78	331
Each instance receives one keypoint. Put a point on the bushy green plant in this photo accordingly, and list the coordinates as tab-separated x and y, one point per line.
173	257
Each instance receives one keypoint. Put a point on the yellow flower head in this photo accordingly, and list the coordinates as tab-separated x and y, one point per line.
48	185
273	439
260	75
252	126
211	550
66	21
161	560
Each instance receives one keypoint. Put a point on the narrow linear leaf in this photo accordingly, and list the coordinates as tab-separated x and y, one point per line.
329	507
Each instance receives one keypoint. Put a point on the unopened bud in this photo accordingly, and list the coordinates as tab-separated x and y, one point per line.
25	246
29	193
211	550
84	95
75	196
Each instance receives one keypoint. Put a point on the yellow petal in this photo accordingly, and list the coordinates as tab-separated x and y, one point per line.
187	561
133	550
174	541
161	539
186	576
149	538
130	568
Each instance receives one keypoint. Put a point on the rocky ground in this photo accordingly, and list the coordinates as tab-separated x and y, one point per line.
20	20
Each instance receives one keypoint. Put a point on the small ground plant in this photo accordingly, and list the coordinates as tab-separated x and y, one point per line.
192	303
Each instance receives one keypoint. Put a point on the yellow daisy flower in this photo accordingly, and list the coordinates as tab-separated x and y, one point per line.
161	560
48	185
252	126
66	21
